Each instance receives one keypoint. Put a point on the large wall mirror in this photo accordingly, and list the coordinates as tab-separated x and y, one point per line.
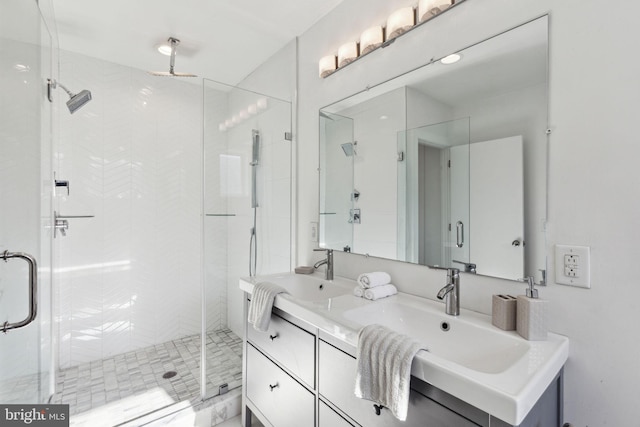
447	164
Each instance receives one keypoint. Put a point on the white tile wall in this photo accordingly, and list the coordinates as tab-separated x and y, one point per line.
131	276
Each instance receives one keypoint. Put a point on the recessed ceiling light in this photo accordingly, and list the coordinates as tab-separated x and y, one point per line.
451	59
383	117
164	49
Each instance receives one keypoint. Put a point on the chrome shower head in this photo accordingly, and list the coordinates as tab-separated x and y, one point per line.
349	148
76	100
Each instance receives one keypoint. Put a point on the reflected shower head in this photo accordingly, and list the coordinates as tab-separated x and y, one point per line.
349	148
76	100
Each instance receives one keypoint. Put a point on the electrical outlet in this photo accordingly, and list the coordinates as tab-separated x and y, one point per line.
314	231
572	266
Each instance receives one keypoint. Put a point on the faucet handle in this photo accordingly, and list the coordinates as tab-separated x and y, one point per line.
451	270
469	267
329	251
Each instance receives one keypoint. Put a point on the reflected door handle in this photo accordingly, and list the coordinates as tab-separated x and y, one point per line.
459	234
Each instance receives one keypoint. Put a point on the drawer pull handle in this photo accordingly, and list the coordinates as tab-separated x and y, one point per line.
273	386
378	408
274	336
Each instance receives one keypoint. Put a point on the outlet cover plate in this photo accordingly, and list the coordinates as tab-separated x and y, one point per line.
573	266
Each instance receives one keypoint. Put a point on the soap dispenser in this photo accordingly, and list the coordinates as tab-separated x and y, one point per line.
531	314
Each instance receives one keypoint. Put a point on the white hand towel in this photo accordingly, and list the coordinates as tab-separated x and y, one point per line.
264	293
358	291
384	360
378	292
371	280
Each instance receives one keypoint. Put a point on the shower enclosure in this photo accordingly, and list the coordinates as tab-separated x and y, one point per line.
25	192
139	295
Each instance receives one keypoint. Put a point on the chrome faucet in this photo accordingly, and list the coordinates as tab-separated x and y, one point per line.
450	293
328	273
469	267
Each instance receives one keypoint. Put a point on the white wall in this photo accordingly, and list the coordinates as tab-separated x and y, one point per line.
593	173
131	276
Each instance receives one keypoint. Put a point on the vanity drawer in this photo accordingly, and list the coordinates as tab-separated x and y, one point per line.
280	398
336	382
327	417
291	346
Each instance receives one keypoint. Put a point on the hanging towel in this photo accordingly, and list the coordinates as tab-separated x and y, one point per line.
264	293
358	291
383	374
378	292
371	280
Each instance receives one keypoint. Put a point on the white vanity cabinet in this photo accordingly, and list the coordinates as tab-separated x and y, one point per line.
290	346
279	374
296	375
336	381
280	398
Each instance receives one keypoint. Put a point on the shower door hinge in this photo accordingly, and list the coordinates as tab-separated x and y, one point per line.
224	388
288	136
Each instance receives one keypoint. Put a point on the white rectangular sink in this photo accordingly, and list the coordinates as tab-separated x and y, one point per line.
304	287
460	341
497	371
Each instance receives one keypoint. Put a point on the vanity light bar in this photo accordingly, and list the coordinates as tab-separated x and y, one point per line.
398	23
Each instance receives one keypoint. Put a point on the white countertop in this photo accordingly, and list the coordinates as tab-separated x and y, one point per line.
505	383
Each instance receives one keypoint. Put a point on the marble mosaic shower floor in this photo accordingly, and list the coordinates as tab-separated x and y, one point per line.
130	385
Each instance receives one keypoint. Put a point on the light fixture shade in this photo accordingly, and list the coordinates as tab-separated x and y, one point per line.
327	65
370	39
429	8
400	21
164	49
262	104
451	59
347	53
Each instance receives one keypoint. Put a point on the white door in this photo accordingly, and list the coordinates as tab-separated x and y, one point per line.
459	240
497	207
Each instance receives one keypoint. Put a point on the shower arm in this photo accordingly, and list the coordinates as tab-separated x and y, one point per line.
53	84
172	61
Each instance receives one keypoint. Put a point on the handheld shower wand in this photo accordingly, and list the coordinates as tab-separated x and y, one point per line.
255	161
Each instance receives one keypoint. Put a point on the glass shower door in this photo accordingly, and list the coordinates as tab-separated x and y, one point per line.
25	194
247	215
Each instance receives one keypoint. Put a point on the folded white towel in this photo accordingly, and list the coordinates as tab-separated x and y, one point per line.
371	280
382	291
358	291
384	368
264	293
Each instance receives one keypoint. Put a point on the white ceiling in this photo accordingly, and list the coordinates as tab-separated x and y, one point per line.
224	40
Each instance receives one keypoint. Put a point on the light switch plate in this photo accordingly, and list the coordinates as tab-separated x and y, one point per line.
573	266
